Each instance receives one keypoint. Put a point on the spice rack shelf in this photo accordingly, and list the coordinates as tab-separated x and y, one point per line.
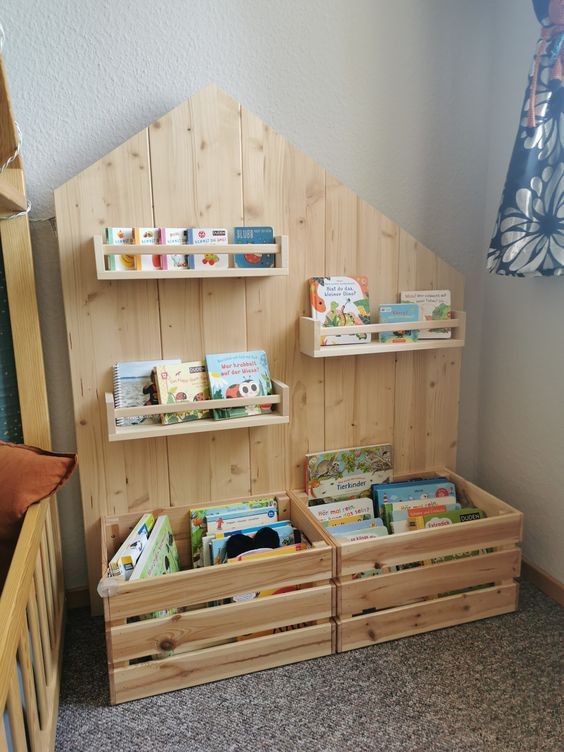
311	332
280	249
280	399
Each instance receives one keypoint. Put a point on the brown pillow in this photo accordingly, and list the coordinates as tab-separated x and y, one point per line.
27	475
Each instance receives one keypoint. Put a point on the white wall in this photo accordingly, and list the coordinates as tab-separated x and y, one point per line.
390	97
521	427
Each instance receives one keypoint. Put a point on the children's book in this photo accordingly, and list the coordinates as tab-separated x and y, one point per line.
173	236
198	522
160	555
441	519
351	537
423	488
340	301
434	305
267	553
133	387
287	536
146	236
224	522
131	549
249	531
207	236
350	510
185	382
120	236
346	473
355	527
239	374
397	313
256	236
396	515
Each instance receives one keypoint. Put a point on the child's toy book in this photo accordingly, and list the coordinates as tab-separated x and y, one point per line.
346	473
256	236
441	519
185	382
146	236
133	387
238	519
240	374
396	515
423	488
340	301
120	236
399	313
341	511
131	549
207	236
160	555
434	305
287	536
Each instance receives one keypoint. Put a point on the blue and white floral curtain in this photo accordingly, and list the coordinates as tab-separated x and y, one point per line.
528	238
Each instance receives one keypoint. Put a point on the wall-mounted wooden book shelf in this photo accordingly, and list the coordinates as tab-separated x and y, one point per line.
280	249
311	332
280	400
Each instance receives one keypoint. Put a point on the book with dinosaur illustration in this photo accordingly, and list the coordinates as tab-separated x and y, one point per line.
184	382
346	473
399	313
239	374
434	305
255	236
340	301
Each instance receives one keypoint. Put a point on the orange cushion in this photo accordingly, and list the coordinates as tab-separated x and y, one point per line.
27	475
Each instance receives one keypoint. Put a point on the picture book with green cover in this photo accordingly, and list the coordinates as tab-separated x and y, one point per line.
239	374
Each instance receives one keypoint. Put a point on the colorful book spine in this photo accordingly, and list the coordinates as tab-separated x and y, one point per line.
397	313
254	236
208	236
434	305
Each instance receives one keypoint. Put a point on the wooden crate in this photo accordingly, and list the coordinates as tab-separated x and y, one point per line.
406	602
192	643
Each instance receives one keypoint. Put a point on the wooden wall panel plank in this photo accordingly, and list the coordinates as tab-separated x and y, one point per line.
360	242
284	188
197	181
108	322
427	383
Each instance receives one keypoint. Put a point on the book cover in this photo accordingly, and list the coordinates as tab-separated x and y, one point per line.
160	555
423	488
397	515
239	374
146	236
185	382
267	553
120	236
356	527
377	531
434	305
441	519
241	519
133	387
339	511
198	521
340	301
173	236
131	549
397	313
208	236
254	235
346	473
286	535
207	540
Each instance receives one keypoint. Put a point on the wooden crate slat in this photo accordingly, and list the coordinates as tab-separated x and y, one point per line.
187	630
211	664
394	623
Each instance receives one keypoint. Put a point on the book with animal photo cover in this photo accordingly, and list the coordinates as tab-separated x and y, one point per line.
239	374
346	473
340	301
184	382
133	387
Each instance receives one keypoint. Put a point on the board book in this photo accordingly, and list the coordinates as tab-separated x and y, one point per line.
442	519
160	555
346	473
399	313
173	236
131	549
287	535
240	374
350	510
383	493
434	305
340	301
255	236
133	387
207	236
120	236
184	382
146	236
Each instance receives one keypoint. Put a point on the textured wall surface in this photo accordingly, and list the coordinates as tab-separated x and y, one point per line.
392	98
521	436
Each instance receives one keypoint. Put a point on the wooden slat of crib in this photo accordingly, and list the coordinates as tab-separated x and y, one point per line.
30	695
15	714
47	589
38	656
43	621
50	545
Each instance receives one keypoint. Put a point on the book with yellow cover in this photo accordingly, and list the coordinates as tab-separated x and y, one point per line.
186	382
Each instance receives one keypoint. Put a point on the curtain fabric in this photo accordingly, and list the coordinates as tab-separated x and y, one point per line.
528	238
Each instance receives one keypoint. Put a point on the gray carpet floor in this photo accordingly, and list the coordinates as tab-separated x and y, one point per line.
494	685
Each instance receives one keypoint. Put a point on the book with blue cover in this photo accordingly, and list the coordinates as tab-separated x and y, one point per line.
399	313
239	374
254	235
423	488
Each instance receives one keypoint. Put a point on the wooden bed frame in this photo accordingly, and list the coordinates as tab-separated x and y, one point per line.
32	601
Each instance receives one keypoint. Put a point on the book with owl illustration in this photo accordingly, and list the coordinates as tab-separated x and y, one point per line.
185	382
340	301
346	473
239	374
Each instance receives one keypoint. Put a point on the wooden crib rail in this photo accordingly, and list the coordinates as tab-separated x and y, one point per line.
31	615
